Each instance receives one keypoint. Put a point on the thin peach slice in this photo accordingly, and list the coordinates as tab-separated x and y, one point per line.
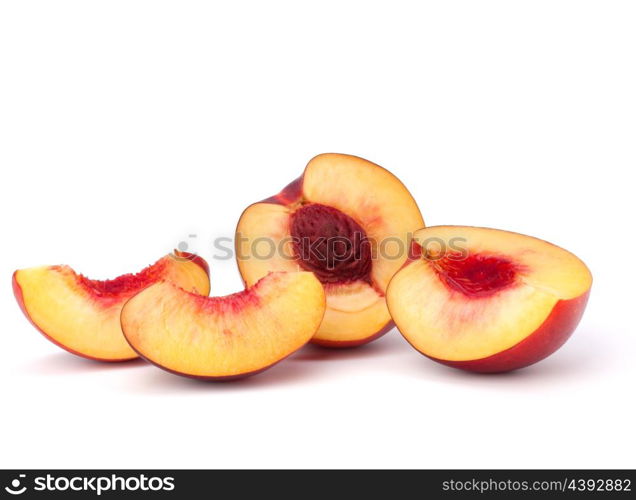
82	315
347	220
487	300
223	338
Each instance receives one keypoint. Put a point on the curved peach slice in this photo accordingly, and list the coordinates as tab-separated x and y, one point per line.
487	300
223	338
347	220
82	315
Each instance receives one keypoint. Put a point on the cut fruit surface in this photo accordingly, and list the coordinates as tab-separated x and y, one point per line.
82	315
347	220
485	299
224	337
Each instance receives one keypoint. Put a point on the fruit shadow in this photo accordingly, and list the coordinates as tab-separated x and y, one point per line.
388	345
587	359
156	381
62	363
307	364
153	379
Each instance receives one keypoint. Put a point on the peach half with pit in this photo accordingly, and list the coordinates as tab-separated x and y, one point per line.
224	338
348	221
82	315
487	300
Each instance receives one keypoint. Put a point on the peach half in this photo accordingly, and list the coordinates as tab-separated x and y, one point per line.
224	338
347	220
82	315
487	300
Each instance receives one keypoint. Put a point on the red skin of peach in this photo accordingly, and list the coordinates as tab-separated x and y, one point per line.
289	195
550	336
17	291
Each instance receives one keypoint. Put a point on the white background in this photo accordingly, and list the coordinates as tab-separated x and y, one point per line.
125	126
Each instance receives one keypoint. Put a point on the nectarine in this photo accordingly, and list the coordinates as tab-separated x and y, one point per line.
81	315
223	338
487	300
345	219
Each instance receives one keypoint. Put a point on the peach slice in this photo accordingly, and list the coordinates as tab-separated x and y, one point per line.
223	338
487	300
347	220
82	315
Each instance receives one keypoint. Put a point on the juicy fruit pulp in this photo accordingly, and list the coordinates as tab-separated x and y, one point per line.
476	275
81	315
330	244
126	284
505	302
224	337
